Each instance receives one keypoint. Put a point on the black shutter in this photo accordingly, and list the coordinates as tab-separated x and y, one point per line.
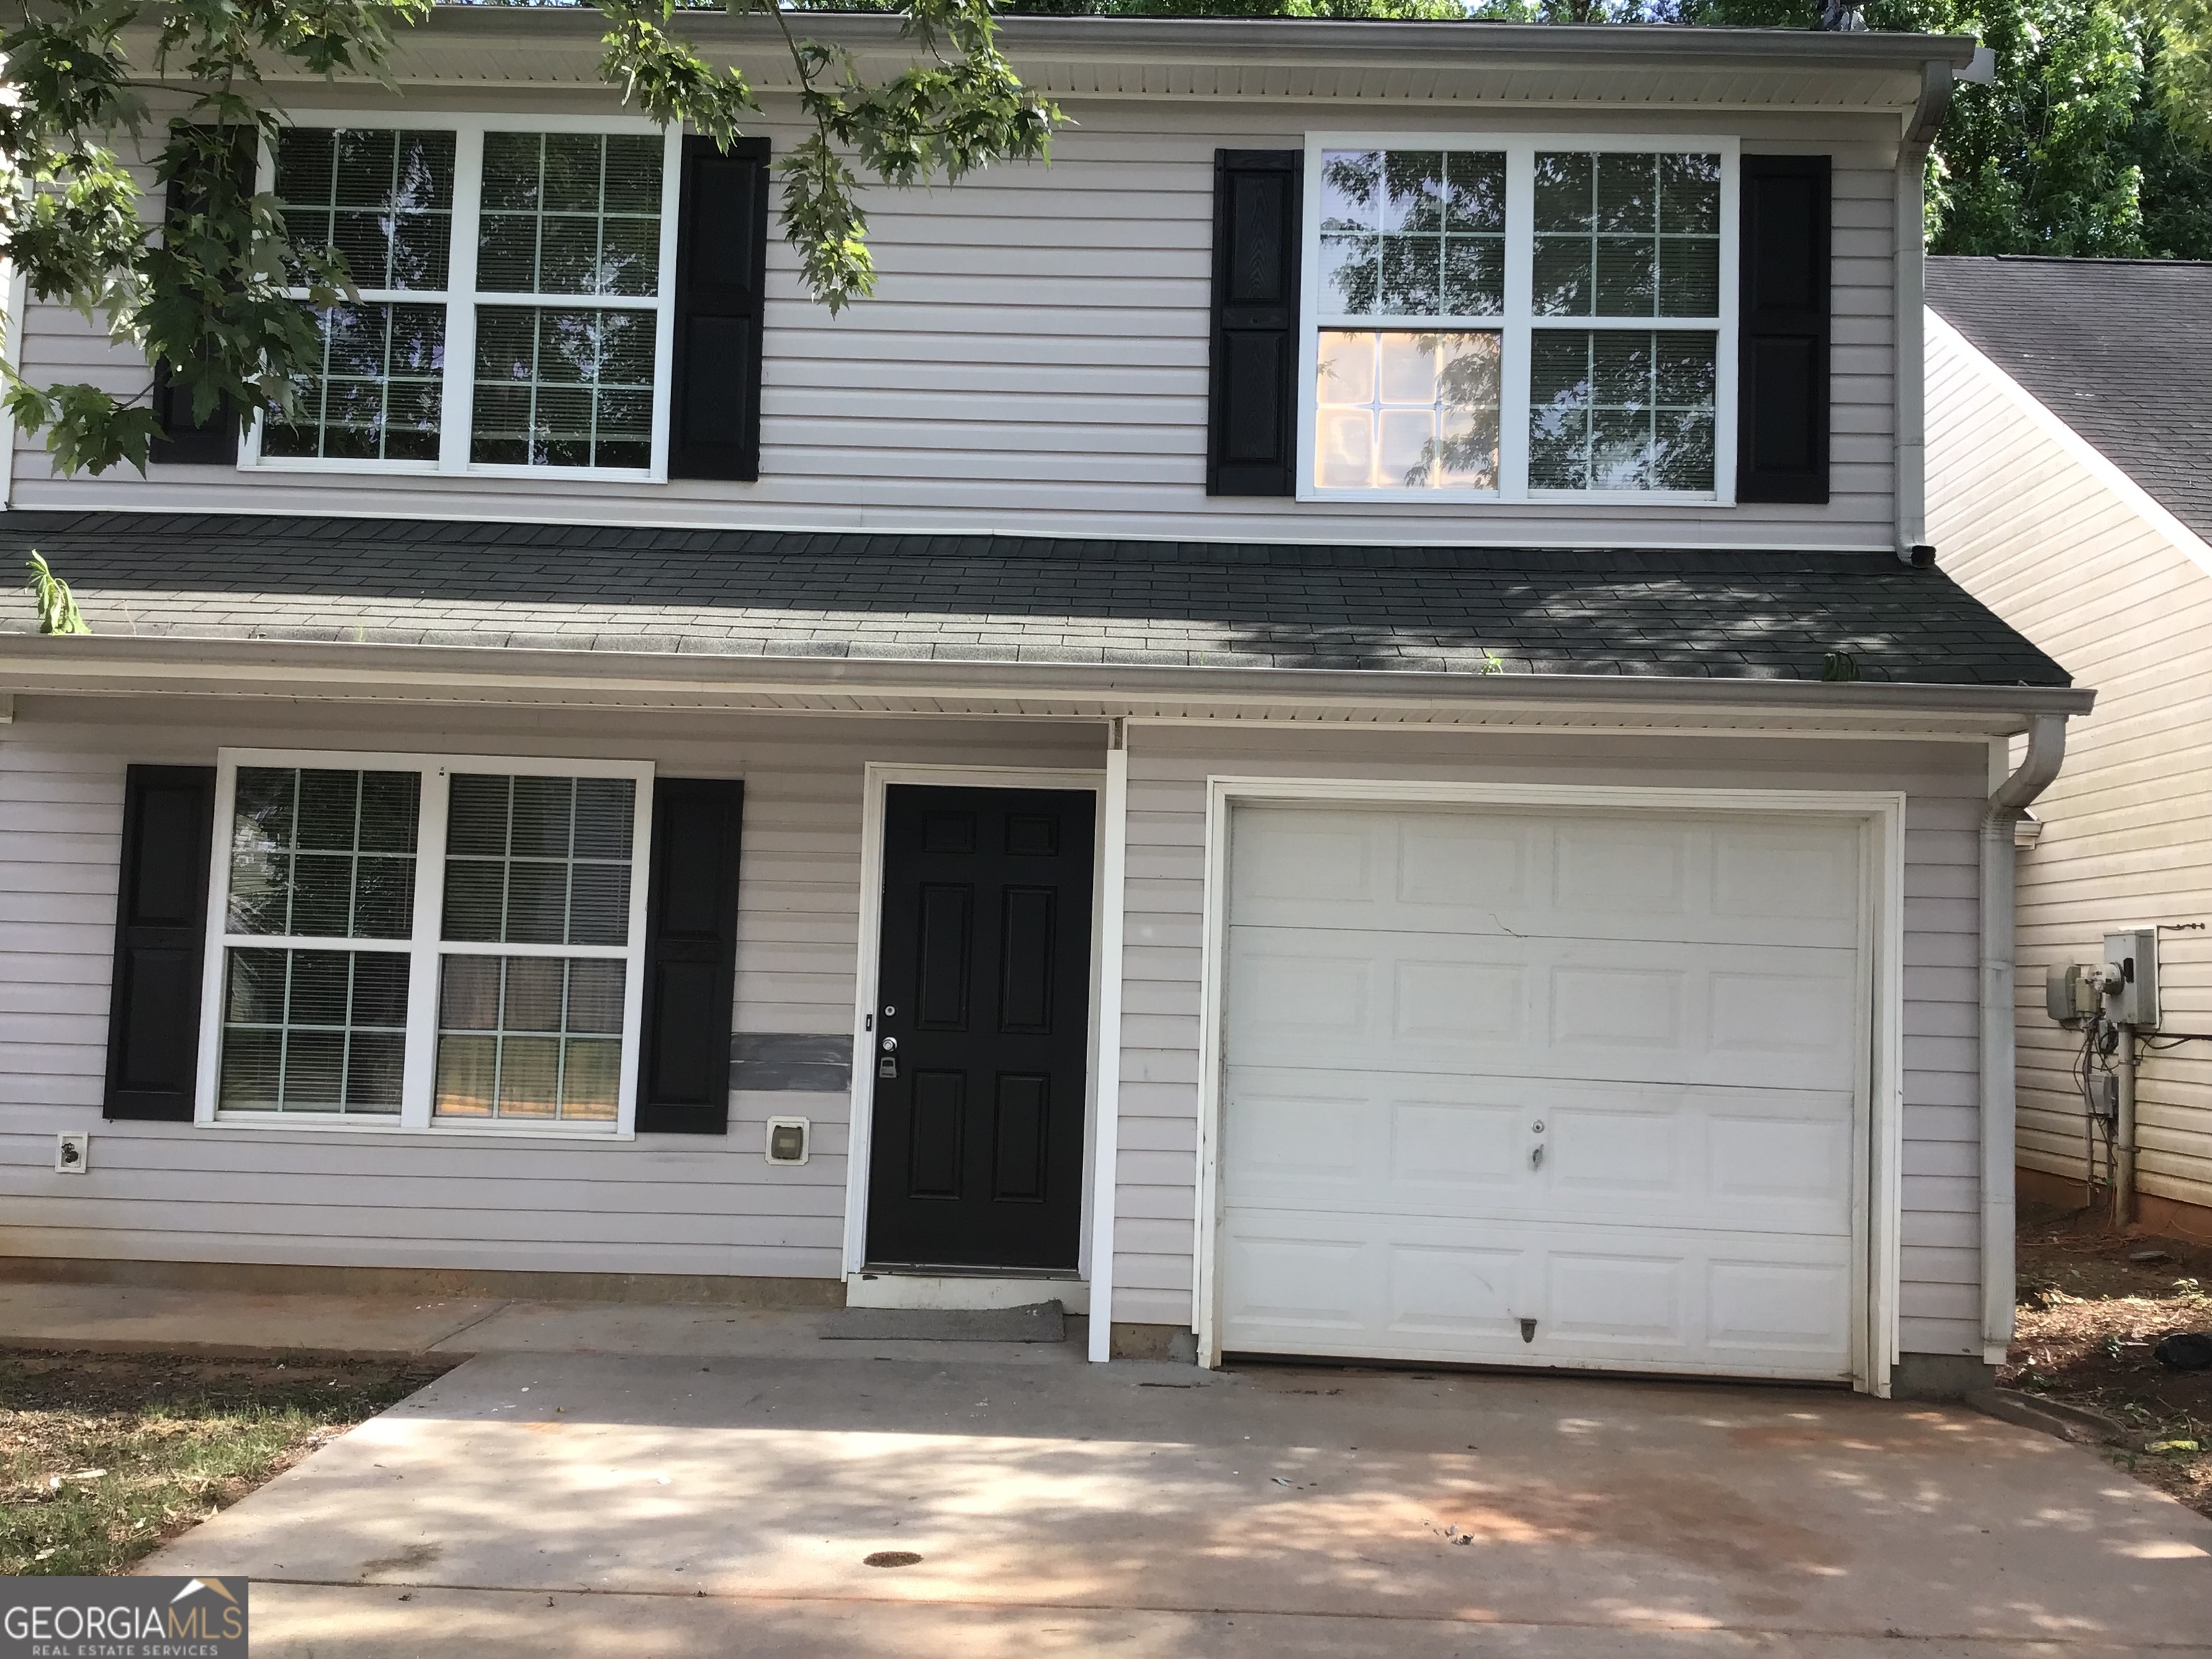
161	933
722	263
1782	400
691	957
1252	424
213	441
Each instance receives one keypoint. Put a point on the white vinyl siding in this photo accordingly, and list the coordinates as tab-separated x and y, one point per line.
1939	1301
1034	360
658	1204
2074	564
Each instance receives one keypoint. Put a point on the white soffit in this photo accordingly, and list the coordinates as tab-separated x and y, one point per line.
424	60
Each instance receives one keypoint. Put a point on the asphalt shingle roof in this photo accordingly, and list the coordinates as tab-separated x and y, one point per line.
1002	598
2119	349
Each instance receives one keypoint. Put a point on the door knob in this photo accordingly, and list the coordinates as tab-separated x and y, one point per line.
891	1045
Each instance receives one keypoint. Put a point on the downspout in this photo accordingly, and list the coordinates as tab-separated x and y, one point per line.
1114	895
1911	195
2046	747
12	309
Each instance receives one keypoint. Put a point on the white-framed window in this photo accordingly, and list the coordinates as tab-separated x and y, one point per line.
1518	317
450	942
516	280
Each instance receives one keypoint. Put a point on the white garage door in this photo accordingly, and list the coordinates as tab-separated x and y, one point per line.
1543	1088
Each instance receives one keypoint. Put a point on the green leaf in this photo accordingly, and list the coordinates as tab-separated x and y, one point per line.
57	611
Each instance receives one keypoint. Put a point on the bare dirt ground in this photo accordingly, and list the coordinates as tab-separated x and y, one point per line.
2089	1315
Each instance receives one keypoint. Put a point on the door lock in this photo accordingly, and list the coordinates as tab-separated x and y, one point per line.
887	1065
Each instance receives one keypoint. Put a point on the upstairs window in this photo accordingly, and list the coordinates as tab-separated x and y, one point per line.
1520	319
515	289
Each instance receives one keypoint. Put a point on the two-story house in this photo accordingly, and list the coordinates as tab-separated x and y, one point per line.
1325	728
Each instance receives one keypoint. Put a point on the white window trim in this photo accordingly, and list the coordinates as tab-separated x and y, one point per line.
1518	321
424	948
460	298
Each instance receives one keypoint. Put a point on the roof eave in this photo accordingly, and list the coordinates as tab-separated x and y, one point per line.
105	664
1248	41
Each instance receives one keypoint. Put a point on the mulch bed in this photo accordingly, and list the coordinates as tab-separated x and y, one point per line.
2088	1317
104	1457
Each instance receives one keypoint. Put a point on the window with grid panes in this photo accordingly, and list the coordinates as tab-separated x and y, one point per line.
512	305
485	974
385	200
321	860
567	383
1517	318
543	861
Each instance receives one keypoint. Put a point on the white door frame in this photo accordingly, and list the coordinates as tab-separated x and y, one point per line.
1877	1187
879	776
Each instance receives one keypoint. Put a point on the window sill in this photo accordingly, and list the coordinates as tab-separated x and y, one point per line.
1533	498
432	469
437	1129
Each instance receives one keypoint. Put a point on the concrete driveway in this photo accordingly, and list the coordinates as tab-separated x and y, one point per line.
580	1504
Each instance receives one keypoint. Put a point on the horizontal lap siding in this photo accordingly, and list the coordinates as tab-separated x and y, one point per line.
2125	842
1153	1264
1035	359
661	1203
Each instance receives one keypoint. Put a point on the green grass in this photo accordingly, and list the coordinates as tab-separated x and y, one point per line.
104	1457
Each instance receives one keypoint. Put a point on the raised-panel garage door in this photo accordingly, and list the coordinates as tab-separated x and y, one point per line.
1543	1088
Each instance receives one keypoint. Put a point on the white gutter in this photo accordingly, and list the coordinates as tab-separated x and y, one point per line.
2046	747
1114	809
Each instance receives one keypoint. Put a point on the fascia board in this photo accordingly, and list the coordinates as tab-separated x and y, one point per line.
1287	41
1864	72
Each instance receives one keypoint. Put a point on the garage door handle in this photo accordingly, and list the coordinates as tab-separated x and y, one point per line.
1536	1156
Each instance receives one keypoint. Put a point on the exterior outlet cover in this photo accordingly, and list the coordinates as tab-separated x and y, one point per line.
788	1139
72	1153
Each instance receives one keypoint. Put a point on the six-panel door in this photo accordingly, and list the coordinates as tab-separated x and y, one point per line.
981	1028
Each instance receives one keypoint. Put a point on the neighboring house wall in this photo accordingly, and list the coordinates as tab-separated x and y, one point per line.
1036	359
2051	538
1939	1305
694	1204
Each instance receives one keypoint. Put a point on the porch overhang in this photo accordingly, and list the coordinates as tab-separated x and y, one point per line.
295	671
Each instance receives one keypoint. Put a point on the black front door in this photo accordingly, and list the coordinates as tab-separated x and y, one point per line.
982	1010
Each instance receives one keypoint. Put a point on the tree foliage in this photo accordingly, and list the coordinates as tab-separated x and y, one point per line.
2095	139
209	299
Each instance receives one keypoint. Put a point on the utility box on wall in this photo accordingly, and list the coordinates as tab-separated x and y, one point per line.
2135	1001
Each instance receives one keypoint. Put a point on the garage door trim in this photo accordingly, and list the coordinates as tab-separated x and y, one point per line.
1876	1202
